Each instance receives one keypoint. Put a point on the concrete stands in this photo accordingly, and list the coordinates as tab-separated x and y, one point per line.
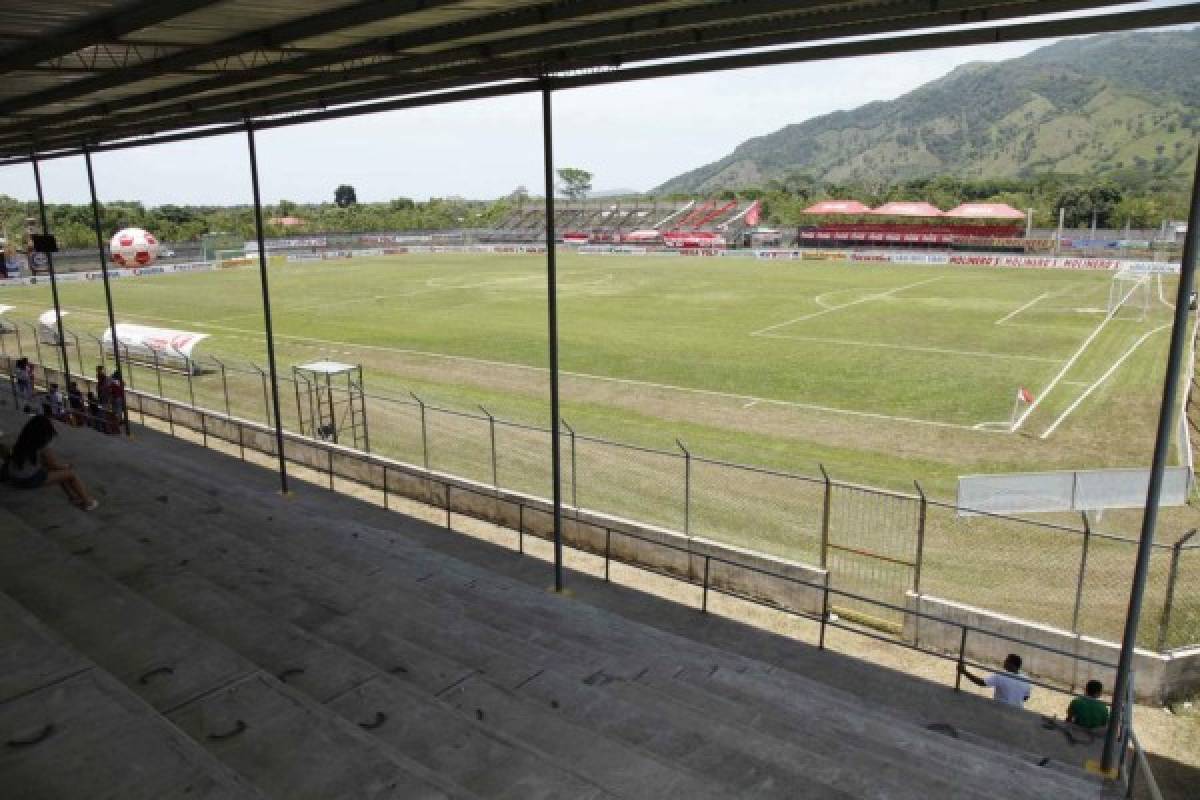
200	635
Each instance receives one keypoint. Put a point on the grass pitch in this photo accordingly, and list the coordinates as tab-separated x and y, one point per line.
885	374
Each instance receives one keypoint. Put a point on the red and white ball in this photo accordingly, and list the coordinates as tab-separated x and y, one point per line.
133	247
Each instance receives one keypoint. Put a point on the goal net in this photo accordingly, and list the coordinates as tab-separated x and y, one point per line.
234	258
1129	295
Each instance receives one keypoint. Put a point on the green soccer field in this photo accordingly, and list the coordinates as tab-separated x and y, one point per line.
884	373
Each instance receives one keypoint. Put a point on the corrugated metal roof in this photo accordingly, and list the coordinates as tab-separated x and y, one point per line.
77	71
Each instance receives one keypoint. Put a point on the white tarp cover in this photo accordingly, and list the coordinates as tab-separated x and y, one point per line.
48	327
146	342
1084	490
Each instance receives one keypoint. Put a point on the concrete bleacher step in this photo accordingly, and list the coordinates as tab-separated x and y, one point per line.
829	743
418	726
280	741
623	771
1015	726
299	566
879	727
69	730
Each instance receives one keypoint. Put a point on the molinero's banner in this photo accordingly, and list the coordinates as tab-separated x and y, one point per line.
144	343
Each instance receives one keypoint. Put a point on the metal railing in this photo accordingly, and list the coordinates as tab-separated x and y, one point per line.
877	542
1133	764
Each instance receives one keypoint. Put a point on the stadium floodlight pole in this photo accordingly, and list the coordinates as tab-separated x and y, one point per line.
552	322
112	318
1162	444
266	299
62	337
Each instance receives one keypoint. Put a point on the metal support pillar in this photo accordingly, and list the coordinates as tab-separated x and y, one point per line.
552	324
266	299
62	338
112	319
1162	446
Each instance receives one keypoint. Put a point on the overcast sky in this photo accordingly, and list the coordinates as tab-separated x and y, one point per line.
631	136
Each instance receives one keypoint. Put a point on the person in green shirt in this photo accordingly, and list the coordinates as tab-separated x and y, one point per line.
1089	712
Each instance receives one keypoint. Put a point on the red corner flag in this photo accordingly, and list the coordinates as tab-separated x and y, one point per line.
1025	395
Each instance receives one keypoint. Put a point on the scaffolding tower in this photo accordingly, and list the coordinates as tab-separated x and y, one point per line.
330	403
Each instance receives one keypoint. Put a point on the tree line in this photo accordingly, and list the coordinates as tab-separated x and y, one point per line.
1136	199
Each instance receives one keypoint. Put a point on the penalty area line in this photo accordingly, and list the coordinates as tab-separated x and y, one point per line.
1108	374
909	348
1066	367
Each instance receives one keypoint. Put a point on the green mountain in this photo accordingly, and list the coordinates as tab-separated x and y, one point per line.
1094	106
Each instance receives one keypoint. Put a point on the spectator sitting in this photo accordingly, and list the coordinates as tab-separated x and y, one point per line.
116	402
93	411
116	393
24	378
1088	711
32	464
1010	687
78	412
102	386
58	408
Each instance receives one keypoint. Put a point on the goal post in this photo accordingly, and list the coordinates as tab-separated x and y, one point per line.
1129	295
236	257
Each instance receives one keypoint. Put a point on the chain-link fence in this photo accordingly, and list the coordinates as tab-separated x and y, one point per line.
875	543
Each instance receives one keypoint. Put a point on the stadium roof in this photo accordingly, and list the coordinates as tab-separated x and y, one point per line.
837	207
985	211
95	71
907	209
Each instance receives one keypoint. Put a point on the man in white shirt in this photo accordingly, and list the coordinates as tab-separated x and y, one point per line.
1008	687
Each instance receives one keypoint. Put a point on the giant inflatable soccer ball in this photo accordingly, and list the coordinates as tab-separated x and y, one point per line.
133	247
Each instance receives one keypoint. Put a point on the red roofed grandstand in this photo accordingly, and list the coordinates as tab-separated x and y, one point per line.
709	224
913	224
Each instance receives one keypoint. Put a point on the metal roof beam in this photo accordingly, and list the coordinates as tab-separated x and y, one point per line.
320	24
273	37
903	15
97	30
984	35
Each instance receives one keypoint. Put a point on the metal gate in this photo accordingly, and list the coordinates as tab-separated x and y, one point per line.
870	547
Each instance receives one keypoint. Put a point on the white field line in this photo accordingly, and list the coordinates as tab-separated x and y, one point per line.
744	398
1066	367
822	312
1163	299
910	348
1001	427
1030	304
1102	379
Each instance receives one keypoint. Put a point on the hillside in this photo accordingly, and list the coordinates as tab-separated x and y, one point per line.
1091	106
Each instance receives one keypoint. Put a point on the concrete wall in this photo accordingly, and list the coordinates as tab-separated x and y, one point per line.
1159	676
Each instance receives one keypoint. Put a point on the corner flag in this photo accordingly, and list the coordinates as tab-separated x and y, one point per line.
1023	396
